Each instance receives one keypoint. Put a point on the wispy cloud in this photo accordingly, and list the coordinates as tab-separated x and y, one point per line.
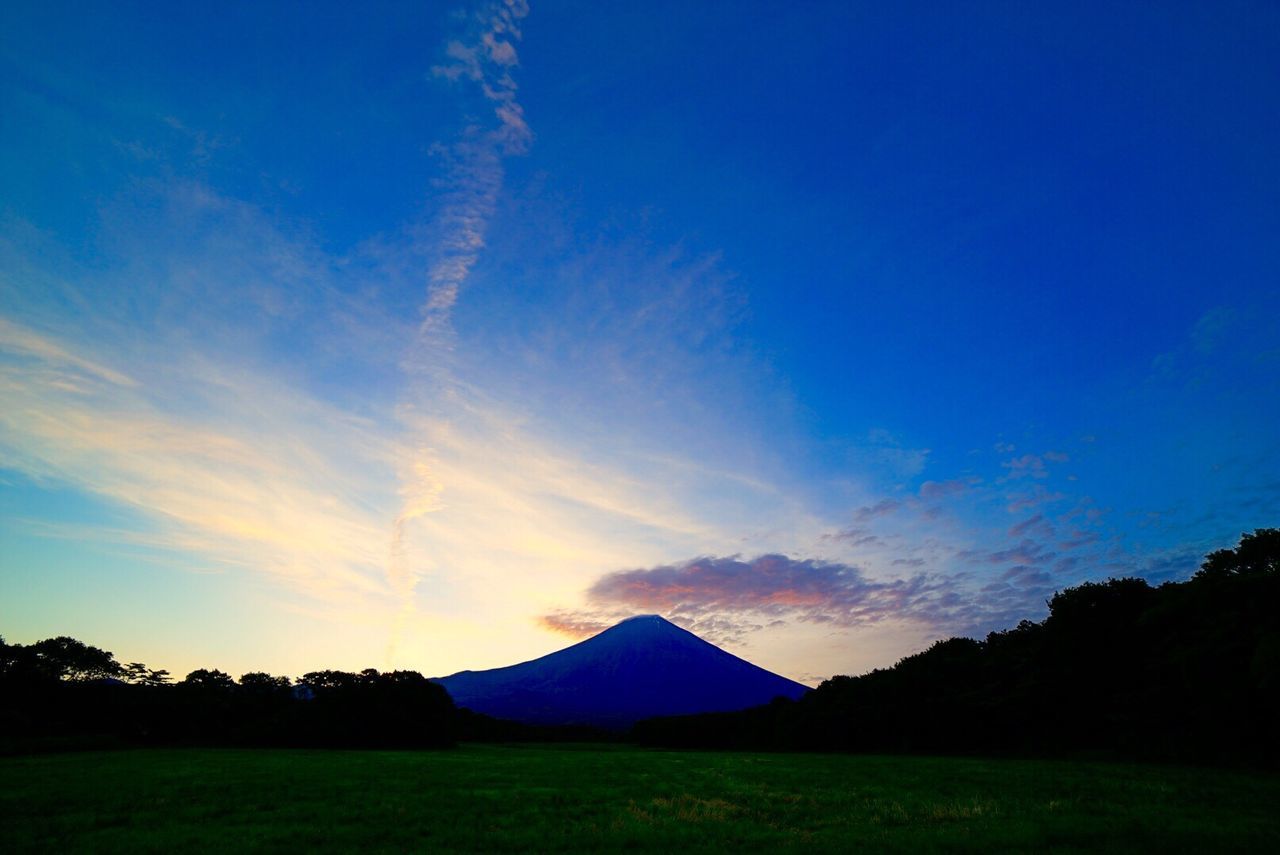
1032	465
486	58
474	175
19	341
1210	328
1036	525
931	490
165	392
250	495
1033	498
882	508
883	450
1025	552
854	536
238	468
573	625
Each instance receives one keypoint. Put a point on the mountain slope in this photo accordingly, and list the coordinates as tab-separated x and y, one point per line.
642	667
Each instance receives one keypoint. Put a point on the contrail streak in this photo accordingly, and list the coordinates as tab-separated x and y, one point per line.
485	59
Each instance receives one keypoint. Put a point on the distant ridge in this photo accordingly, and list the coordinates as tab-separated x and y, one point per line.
641	667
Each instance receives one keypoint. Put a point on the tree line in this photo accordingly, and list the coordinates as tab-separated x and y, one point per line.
1184	671
63	692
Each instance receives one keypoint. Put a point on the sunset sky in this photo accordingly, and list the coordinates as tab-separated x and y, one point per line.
435	336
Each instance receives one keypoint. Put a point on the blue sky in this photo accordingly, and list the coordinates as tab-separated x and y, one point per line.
432	336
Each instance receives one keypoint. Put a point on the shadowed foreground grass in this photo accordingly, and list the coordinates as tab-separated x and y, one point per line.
585	798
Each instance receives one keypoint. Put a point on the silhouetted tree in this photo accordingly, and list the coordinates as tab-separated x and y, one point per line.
259	683
329	681
68	659
214	681
18	664
156	677
374	709
1257	555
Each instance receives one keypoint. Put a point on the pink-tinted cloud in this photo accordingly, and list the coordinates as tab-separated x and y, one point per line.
1026	552
1032	465
854	536
1079	539
1025	575
1036	525
724	597
931	490
1035	498
1026	466
882	508
572	624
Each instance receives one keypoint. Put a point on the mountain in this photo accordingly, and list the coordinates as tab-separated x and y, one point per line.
642	667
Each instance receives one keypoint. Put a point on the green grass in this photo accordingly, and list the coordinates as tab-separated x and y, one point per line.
592	798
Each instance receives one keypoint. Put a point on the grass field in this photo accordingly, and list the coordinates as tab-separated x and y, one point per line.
593	798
